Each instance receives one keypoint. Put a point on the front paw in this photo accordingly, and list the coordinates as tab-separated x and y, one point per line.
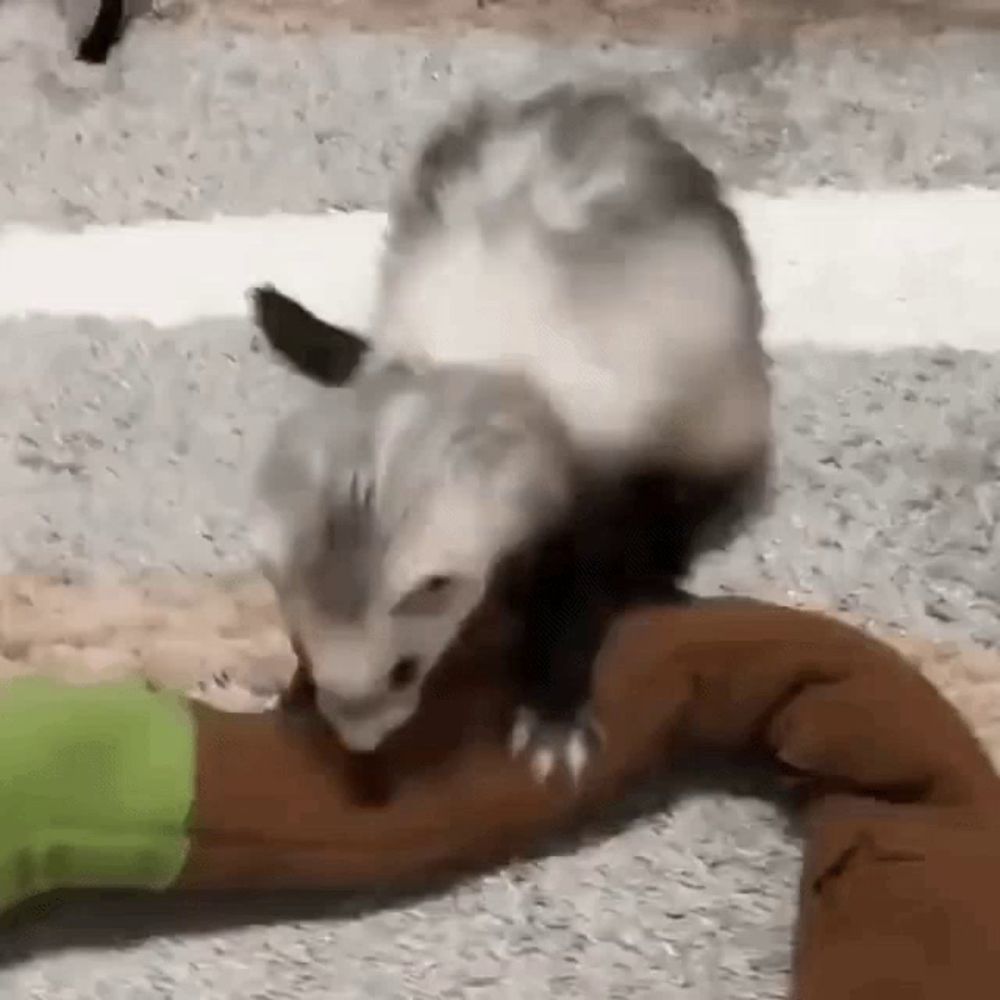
223	693
549	743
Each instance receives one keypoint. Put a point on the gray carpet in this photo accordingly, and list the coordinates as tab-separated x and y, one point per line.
888	507
127	448
187	124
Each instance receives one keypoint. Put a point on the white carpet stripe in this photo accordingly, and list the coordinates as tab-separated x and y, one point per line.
868	270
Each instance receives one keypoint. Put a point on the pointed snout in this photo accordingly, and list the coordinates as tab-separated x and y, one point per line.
364	725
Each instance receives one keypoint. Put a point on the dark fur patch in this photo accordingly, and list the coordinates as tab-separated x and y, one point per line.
326	353
625	544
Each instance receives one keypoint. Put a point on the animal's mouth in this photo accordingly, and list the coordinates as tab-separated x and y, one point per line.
360	710
365	768
364	734
361	724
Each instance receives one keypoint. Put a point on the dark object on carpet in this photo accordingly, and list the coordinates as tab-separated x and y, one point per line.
104	33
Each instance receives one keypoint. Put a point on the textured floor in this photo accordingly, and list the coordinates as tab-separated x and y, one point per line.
889	508
123	448
186	123
635	20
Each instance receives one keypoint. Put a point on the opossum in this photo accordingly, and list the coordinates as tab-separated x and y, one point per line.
569	241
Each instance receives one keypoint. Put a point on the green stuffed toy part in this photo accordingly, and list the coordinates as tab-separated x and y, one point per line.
96	787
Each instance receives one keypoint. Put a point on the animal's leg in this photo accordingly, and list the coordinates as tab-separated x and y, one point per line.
565	616
624	546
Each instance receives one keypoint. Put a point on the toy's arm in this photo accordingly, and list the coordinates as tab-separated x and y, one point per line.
96	787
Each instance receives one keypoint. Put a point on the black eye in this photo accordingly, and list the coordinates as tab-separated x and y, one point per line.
404	673
433	584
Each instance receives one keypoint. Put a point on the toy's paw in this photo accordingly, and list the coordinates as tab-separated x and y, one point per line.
550	743
221	692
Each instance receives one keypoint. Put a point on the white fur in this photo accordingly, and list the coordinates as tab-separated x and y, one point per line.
627	354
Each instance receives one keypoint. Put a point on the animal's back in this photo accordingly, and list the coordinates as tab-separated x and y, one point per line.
570	238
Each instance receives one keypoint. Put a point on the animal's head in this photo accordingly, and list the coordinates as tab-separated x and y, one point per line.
381	537
373	619
387	504
370	657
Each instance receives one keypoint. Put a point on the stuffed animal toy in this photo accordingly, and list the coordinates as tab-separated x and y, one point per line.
118	785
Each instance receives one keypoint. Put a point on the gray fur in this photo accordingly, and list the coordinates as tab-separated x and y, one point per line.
583	133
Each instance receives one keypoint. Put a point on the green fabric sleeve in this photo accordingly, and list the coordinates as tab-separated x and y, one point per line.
96	787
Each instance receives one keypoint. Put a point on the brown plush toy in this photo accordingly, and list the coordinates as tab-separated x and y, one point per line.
900	805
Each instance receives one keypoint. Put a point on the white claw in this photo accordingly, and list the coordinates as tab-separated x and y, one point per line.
549	748
520	735
577	754
223	694
542	763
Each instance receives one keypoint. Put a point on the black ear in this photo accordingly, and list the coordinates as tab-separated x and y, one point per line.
104	33
325	353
